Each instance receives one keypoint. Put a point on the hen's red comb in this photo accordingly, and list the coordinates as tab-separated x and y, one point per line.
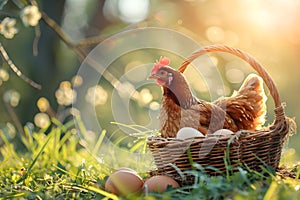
163	61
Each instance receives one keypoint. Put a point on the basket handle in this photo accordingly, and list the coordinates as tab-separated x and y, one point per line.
279	112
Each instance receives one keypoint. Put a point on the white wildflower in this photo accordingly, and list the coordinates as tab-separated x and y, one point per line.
30	15
77	81
96	95
43	104
65	95
7	27
42	120
12	97
4	76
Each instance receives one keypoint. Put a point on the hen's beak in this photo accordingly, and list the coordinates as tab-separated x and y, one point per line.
152	76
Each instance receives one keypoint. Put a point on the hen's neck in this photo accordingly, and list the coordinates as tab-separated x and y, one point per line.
179	91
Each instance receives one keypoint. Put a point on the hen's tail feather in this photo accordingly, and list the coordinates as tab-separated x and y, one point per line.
247	107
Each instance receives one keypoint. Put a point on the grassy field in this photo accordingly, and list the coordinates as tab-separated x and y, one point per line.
52	164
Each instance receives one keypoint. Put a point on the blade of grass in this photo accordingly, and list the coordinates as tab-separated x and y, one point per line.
27	139
126	126
57	135
102	192
34	160
9	146
245	178
254	171
297	169
67	172
80	126
139	131
267	168
13	195
120	139
199	167
58	124
4	139
141	127
68	125
189	154
144	150
214	169
99	142
227	158
181	174
137	146
141	134
64	139
272	191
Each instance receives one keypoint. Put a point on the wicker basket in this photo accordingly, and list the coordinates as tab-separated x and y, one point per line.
251	148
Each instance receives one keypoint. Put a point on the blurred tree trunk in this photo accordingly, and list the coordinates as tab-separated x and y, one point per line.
42	68
98	20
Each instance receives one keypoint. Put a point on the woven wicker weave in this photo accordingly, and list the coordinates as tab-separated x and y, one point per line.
253	148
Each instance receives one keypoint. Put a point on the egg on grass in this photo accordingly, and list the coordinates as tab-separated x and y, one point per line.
125	169
123	182
159	184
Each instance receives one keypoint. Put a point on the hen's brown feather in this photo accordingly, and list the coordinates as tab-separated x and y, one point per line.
247	106
244	110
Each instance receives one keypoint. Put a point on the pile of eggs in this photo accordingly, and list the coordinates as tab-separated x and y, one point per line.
125	181
188	132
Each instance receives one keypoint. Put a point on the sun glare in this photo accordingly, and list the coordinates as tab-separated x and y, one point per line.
133	10
271	14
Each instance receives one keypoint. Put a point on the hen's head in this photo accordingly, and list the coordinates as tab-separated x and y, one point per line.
163	74
173	82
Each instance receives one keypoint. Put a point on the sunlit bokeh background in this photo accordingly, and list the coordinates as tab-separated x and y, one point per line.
269	30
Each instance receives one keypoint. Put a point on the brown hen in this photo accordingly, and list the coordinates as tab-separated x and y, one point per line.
244	110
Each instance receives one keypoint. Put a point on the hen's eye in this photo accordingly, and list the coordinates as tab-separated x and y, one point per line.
162	72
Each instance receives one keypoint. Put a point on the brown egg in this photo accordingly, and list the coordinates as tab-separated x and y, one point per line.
159	183
124	182
125	169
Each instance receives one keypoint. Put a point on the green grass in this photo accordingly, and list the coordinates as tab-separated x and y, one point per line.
52	164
